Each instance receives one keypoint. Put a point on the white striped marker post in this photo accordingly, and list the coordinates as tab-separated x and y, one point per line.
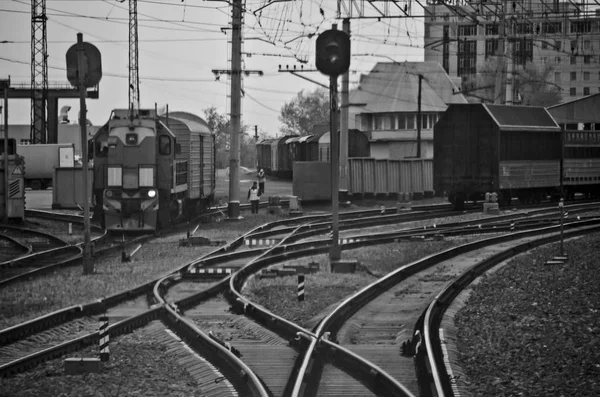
300	287
104	337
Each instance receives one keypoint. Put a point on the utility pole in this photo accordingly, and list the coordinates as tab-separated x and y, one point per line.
501	55
344	114
233	208
336	253
6	85
419	117
39	71
134	77
88	264
510	59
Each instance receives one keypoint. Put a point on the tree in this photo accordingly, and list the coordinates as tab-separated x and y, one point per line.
221	125
305	110
532	84
534	87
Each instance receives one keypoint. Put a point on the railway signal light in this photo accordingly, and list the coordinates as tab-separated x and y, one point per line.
333	52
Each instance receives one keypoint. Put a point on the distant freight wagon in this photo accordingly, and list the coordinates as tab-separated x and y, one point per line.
42	159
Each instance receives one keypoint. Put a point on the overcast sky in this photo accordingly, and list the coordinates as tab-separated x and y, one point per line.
180	42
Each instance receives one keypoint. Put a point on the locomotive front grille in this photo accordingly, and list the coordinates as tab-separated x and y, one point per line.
130	207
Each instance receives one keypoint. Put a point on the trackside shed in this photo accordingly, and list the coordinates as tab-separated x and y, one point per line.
512	150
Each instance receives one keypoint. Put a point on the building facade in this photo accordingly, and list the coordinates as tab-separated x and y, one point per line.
562	35
390	101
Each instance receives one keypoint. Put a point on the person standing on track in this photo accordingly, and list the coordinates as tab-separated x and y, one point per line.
261	181
253	195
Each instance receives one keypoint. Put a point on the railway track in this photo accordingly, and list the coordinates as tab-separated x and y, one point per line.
137	308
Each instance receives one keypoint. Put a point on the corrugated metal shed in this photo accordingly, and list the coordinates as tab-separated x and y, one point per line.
394	87
519	117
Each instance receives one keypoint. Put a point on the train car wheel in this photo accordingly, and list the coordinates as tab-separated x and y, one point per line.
458	202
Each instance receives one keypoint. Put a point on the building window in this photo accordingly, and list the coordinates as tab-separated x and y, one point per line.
491	29
573	60
410	121
573	45
491	47
524	28
557	60
551	27
467	55
587	59
557	45
587	45
523	51
467	30
544	45
544	60
573	76
581	26
401	121
424	121
378	122
557	77
586	90
586	75
572	91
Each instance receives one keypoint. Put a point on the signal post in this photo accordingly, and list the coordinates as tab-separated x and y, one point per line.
333	59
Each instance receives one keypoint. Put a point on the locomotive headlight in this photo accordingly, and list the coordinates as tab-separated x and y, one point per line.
109	193
151	193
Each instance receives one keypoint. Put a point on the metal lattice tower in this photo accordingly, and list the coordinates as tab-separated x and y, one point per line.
134	78
39	71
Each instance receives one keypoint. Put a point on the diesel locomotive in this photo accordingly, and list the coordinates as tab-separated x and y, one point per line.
151	170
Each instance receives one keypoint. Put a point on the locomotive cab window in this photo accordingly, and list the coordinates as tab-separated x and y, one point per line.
164	145
131	139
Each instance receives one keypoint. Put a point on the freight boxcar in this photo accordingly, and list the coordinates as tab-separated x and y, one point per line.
263	155
512	150
281	164
358	145
580	121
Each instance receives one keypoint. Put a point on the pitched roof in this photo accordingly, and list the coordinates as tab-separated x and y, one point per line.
394	87
518	117
580	110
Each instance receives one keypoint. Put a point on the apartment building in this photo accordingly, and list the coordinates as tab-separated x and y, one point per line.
563	35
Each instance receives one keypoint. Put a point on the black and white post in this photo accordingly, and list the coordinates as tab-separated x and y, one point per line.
104	339
300	287
561	206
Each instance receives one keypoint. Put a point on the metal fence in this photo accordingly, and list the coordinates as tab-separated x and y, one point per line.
373	176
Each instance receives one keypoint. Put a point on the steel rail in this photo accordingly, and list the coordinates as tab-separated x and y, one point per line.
444	298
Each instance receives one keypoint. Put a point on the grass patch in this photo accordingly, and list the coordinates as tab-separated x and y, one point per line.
68	286
322	290
532	330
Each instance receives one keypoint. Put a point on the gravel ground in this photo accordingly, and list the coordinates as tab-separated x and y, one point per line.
529	329
140	364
